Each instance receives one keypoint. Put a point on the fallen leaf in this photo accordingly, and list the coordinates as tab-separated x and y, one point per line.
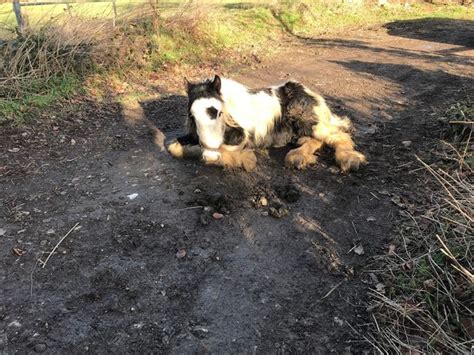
391	249
408	265
380	287
371	219
18	251
2	232
132	196
14	150
406	143
359	250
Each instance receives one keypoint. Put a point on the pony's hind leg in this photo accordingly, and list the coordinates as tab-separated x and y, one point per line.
300	158
336	137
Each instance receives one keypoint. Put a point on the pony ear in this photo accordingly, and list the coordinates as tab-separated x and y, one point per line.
216	84
187	84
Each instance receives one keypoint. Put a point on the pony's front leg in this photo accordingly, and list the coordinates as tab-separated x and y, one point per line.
302	157
231	159
185	147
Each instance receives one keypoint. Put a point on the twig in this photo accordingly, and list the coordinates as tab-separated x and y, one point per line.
189	208
332	290
374	195
445	250
462	122
57	245
355	229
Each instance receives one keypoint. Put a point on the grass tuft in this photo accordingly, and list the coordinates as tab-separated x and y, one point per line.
428	298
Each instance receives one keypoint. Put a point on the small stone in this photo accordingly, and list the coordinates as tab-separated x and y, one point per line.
371	219
263	201
41	347
50	231
217	215
265	213
339	321
197	191
132	196
73	142
14	150
406	144
2	232
207	208
181	254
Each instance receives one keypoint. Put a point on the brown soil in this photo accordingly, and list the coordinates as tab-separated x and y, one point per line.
158	273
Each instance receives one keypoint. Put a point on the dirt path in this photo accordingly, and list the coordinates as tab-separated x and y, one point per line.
249	282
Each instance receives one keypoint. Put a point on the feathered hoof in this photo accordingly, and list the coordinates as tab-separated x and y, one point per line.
176	150
298	160
350	160
244	159
248	160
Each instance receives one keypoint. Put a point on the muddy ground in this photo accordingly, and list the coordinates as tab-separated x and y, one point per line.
157	273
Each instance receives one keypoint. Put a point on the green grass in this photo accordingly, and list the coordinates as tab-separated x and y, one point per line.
316	18
41	97
192	35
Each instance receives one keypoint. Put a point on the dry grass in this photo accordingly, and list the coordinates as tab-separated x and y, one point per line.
426	304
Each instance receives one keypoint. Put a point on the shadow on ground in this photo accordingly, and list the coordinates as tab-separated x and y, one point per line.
443	30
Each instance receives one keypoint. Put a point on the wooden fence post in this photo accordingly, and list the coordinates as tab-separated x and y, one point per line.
19	18
114	7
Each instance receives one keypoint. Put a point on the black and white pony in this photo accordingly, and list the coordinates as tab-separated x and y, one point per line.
227	121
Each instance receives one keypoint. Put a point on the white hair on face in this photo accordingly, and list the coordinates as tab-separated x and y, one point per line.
254	112
210	130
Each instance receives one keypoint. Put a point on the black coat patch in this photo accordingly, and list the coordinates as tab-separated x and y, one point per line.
297	106
234	135
188	139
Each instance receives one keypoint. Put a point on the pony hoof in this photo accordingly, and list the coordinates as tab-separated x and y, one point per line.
176	150
299	160
248	160
350	160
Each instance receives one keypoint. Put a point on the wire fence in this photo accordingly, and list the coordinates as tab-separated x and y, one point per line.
23	14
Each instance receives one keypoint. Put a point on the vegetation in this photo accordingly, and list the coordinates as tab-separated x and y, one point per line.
424	301
66	50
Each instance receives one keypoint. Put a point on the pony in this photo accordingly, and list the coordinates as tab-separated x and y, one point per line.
228	121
